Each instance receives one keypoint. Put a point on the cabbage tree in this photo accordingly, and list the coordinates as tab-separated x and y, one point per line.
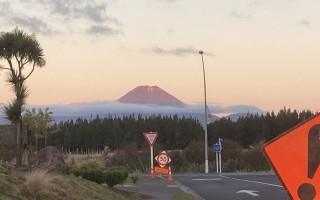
22	53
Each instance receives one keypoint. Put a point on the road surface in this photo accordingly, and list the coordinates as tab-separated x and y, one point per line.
235	186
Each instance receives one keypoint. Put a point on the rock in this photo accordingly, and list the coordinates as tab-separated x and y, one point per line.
50	158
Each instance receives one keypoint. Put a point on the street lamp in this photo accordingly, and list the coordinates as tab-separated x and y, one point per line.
205	118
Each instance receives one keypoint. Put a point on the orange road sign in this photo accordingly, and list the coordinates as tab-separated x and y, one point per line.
161	170
295	157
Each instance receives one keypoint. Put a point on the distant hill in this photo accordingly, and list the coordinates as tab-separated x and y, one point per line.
63	112
150	95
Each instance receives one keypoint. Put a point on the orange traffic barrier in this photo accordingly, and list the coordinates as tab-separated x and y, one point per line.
169	174
161	170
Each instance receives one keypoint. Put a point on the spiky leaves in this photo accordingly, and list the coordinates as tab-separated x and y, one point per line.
24	48
20	50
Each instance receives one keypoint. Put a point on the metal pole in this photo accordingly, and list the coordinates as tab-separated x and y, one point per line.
220	156
205	118
217	161
220	162
151	156
151	166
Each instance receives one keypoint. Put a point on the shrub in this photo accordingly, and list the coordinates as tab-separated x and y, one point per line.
7	153
130	156
195	152
134	178
117	158
179	160
4	167
255	160
112	176
231	150
232	165
38	182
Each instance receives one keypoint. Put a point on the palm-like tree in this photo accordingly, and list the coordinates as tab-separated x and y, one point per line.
23	53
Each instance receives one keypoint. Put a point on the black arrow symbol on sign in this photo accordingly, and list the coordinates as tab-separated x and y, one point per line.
307	191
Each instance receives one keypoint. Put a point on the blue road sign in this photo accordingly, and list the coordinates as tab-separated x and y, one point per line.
217	148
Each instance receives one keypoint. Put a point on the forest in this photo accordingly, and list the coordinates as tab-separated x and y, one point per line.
173	132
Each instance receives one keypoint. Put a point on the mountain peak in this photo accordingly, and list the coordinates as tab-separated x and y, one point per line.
150	95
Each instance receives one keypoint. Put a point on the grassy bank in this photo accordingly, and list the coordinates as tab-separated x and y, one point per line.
24	184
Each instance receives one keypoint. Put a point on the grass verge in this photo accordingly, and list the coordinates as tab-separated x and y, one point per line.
182	196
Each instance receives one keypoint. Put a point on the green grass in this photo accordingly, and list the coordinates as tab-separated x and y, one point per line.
182	196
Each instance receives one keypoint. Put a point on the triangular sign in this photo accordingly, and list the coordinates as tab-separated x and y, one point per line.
295	157
150	137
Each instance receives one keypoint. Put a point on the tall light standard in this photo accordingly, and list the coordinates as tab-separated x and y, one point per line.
205	118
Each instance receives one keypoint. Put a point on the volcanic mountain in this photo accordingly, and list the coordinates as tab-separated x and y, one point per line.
150	95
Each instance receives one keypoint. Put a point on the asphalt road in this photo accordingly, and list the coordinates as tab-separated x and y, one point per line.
245	186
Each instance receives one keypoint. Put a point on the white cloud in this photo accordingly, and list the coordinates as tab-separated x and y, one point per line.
304	23
36	25
60	16
239	15
179	51
103	31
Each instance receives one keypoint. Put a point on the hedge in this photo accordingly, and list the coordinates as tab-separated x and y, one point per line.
111	175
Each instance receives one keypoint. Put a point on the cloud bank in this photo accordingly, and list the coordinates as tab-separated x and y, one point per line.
60	16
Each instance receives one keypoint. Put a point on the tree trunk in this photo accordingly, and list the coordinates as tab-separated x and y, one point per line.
19	145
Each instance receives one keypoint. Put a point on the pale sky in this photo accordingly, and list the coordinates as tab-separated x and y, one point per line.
258	52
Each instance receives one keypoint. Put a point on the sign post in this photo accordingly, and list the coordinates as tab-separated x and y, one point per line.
295	157
151	138
220	139
217	148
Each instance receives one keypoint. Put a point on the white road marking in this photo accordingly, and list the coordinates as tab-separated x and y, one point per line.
127	186
238	179
206	179
172	186
250	192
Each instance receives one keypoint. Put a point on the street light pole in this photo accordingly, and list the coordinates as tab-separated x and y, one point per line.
205	118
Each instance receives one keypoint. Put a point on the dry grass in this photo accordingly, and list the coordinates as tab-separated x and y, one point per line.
93	163
38	181
90	160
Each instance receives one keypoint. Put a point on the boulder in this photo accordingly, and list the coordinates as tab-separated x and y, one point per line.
50	158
